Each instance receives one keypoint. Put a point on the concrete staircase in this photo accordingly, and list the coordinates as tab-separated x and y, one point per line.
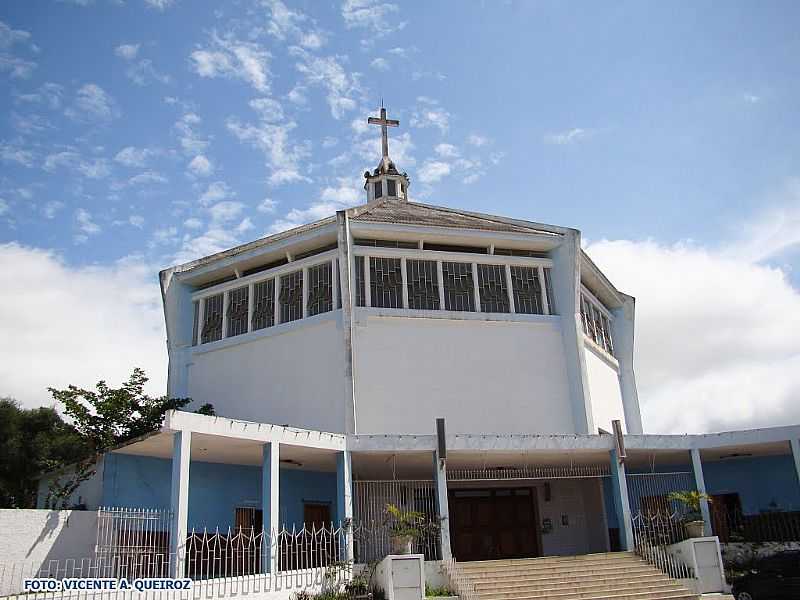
610	576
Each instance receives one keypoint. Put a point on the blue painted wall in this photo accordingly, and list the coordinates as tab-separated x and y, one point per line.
763	483
215	490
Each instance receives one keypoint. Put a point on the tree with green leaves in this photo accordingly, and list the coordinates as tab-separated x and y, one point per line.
105	418
33	442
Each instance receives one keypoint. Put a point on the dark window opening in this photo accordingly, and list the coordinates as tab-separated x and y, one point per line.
320	289
423	285
454	248
386	243
237	311
196	322
378	187
385	282
264	304
516	252
361	298
493	289
266	266
212	319
459	290
316	251
291	297
391	187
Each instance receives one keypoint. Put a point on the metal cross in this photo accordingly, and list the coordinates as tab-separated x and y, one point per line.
384	123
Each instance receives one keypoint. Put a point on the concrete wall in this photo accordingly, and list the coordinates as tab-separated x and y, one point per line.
215	490
481	376
295	377
585	531
88	495
35	536
604	389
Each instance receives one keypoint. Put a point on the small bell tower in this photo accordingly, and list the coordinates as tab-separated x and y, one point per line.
385	181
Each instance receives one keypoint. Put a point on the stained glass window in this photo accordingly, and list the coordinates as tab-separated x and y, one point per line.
263	304
459	292
423	284
212	319
527	290
493	288
291	297
385	282
320	289
237	312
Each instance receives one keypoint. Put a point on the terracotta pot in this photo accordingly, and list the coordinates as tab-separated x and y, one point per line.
695	529
401	544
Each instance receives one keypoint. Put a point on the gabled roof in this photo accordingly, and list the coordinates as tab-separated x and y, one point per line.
414	213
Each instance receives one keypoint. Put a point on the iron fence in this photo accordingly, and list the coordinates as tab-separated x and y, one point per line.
734	526
653	534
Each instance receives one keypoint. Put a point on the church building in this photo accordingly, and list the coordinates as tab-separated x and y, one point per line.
476	368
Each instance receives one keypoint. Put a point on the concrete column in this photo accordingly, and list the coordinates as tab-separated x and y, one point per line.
697	465
344	500
270	472
442	507
619	487
179	500
796	455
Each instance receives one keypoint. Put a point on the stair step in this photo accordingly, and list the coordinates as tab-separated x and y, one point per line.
653	576
557	593
574	586
611	571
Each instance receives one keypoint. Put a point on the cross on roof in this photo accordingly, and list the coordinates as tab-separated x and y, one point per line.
384	123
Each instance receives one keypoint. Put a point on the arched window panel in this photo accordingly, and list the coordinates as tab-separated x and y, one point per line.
493	288
459	289
237	311
263	304
423	285
385	282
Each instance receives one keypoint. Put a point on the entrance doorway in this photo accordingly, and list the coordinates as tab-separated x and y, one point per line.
498	523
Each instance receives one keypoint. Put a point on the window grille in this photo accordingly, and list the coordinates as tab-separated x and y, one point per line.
385	282
596	324
459	293
423	284
548	289
335	265
263	304
493	289
212	319
291	297
237	312
391	187
361	299
196	321
320	289
527	290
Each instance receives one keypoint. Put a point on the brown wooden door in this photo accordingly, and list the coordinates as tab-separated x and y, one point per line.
317	515
491	524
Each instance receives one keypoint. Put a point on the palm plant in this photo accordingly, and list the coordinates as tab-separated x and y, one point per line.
691	500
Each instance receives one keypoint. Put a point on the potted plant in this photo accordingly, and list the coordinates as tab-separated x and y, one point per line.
406	526
693	518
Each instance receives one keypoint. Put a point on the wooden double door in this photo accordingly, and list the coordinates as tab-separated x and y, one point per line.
493	523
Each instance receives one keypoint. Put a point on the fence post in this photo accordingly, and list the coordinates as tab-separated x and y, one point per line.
179	500
344	500
270	471
619	485
697	465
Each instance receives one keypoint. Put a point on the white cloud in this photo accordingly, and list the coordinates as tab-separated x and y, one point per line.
215	192
286	23
131	156
143	72
92	103
570	136
51	208
475	139
751	98
147	178
327	72
96	168
18	68
446	150
99	323
48	93
380	64
9	36
136	221
201	166
193	223
225	211
86	222
159	4
379	18
268	109
191	142
234	59
3	207
345	193
267	205
11	153
428	113
400	149
716	342
127	51
433	171
329	142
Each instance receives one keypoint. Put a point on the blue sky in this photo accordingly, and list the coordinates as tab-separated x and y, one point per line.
135	134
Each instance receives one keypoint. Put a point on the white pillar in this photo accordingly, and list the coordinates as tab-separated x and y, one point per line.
270	472
622	507
697	465
442	507
179	500
344	500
